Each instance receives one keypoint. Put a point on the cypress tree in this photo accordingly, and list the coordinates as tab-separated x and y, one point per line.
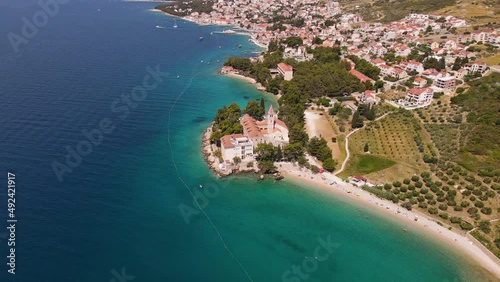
356	120
457	64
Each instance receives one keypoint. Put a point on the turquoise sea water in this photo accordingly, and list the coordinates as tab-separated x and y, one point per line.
119	209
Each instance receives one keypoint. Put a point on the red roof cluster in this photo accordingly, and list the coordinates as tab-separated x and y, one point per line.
363	78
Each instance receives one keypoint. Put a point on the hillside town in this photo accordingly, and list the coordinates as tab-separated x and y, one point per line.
415	58
394	48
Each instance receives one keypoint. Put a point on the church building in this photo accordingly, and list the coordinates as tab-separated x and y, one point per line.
270	130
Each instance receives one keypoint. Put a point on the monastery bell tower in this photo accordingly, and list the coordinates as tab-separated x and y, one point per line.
270	119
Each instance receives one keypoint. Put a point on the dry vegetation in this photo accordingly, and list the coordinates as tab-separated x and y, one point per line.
478	12
390	138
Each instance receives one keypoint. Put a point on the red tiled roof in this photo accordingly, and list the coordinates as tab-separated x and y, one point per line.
360	76
280	123
360	178
418	91
225	141
285	67
250	126
398	70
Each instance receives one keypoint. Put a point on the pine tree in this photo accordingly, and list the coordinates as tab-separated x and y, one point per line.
262	105
366	148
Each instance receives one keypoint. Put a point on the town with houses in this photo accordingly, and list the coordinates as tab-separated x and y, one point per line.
377	43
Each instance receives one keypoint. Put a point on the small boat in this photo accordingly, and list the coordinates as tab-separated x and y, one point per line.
239	46
178	76
201	186
175	26
201	61
201	38
211	33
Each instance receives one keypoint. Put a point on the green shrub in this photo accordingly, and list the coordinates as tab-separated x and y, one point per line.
466	226
486	210
443	215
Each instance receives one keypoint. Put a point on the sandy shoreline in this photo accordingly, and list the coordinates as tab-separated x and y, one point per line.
426	226
249	33
249	80
242	77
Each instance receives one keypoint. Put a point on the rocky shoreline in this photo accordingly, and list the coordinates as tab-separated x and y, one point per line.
222	169
207	149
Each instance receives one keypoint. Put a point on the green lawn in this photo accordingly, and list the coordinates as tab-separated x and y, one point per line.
365	164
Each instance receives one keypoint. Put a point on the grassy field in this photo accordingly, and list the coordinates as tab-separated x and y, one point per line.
491	61
390	137
365	164
392	10
477	12
391	147
342	152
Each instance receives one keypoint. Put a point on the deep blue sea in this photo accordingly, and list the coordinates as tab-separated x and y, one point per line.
115	214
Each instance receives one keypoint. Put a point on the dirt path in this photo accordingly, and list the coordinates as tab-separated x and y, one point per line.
347	146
